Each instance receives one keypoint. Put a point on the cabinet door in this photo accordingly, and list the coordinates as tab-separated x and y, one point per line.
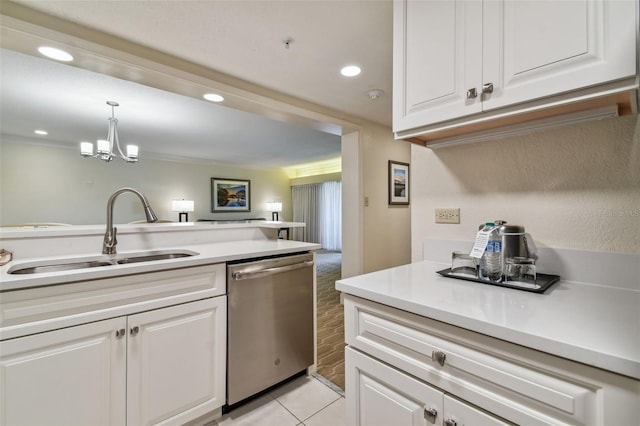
437	50
176	362
378	395
72	376
533	49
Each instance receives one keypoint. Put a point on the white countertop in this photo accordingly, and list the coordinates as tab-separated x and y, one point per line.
128	228
592	324
206	253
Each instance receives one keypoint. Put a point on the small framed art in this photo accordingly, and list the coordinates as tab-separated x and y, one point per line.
398	183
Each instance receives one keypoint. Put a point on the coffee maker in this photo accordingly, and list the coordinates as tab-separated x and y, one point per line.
516	243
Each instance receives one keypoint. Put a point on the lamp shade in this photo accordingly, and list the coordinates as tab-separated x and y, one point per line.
104	146
274	207
132	152
86	148
182	205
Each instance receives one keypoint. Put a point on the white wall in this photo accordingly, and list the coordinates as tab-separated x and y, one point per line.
41	183
386	228
575	186
352	228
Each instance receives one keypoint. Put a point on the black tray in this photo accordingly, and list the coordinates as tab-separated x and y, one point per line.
543	281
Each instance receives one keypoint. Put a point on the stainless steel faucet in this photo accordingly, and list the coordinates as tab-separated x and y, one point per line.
109	246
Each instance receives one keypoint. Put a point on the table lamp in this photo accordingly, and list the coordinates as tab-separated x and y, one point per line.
274	208
183	207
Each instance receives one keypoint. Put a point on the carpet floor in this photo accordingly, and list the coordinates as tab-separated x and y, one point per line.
330	318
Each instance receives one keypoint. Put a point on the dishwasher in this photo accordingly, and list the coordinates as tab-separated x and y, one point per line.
270	322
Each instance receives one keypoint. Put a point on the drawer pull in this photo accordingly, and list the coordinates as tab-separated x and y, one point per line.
450	422
135	330
487	88
430	414
438	356
120	333
472	93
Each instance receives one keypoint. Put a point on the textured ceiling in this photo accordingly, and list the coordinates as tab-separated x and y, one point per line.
241	38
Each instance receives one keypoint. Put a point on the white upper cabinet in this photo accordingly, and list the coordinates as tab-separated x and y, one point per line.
455	59
534	49
437	58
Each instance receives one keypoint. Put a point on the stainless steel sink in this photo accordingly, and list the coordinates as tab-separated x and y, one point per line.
40	269
152	257
74	264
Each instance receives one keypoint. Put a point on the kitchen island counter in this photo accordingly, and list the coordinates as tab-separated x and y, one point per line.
205	254
210	243
592	324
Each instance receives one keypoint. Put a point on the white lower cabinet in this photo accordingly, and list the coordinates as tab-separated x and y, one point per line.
73	376
176	362
380	395
162	366
406	369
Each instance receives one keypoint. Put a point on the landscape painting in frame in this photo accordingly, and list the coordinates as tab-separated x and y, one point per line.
398	182
230	195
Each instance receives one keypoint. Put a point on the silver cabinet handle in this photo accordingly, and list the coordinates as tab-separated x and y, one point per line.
120	333
472	93
270	271
487	88
430	414
438	356
134	330
450	422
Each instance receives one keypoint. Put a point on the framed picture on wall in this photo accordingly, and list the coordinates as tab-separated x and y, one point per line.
230	195
398	183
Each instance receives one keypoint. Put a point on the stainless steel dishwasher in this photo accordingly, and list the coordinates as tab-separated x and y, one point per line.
270	323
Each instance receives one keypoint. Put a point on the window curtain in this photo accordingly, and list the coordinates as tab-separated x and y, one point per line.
319	206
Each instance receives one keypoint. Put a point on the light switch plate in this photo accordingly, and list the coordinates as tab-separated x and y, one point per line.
447	215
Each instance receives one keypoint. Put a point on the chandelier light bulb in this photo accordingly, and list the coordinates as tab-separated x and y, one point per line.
103	147
86	149
132	151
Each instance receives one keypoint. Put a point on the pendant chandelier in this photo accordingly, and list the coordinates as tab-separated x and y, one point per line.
105	147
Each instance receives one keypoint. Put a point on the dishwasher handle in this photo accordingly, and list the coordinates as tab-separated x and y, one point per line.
238	275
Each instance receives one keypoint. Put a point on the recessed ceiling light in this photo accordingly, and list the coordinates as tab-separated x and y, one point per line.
57	54
41	132
213	97
350	71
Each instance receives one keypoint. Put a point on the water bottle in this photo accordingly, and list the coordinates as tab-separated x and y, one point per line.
491	260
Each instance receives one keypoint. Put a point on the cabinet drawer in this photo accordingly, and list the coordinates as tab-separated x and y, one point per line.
46	308
382	395
459	413
515	383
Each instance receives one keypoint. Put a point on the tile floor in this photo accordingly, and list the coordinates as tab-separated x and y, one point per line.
305	401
